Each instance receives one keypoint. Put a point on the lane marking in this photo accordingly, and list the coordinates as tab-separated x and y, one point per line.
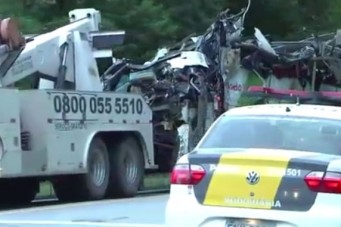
31	222
80	204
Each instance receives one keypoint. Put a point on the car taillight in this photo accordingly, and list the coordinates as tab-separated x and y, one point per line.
187	174
329	182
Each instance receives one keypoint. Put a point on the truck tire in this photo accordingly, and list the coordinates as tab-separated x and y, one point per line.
126	169
92	185
29	189
17	192
167	157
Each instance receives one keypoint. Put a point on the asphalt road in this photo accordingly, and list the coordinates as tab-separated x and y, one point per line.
134	212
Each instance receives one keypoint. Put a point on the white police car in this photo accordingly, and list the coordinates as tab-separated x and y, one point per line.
276	165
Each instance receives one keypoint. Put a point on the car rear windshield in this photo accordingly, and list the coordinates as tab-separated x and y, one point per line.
276	132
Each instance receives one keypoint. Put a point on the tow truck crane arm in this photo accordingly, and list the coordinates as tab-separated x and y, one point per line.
63	58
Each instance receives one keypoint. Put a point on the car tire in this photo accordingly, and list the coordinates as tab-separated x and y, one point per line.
92	185
126	168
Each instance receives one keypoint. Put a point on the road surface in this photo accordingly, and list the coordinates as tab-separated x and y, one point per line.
134	212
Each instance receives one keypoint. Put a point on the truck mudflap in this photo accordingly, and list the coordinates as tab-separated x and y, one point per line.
258	178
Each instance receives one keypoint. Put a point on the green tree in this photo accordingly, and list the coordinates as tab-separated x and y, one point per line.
192	15
150	24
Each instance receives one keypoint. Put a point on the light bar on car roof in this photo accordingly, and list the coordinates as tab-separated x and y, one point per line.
322	97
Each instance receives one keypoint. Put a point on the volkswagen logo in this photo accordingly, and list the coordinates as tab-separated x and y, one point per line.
252	178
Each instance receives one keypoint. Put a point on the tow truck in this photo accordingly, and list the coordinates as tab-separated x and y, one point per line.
88	143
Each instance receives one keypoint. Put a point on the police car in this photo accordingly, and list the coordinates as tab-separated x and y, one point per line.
274	165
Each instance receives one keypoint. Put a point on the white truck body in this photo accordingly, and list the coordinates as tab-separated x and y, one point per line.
48	132
59	143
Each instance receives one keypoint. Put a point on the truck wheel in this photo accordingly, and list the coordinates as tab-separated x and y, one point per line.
126	168
90	186
29	189
167	157
15	192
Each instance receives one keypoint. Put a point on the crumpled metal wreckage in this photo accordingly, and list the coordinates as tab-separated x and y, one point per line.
189	85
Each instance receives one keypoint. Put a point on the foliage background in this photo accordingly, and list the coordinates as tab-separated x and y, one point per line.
150	24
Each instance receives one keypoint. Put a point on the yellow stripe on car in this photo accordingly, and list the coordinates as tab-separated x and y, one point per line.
229	185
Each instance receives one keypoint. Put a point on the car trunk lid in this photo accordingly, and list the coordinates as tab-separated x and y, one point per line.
258	178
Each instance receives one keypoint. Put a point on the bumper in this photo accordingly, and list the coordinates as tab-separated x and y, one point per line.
184	210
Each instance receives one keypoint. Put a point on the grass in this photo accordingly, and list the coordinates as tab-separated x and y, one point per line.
152	181
46	190
253	80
